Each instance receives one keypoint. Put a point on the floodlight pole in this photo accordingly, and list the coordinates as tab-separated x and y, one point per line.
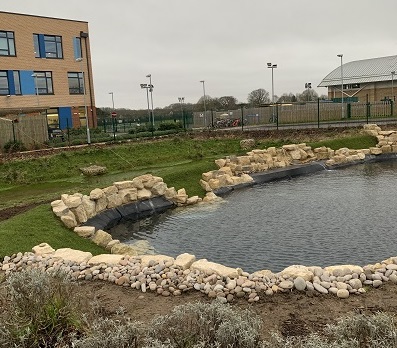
341	77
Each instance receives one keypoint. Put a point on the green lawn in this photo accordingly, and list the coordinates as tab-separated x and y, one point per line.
179	161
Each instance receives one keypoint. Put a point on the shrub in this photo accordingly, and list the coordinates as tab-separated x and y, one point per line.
42	311
205	325
355	331
170	125
14	146
110	334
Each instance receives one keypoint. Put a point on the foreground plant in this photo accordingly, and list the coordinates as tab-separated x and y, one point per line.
42	310
200	325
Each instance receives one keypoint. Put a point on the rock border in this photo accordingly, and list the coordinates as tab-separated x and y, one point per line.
168	276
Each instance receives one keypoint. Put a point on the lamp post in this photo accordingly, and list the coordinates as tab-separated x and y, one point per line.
151	96
114	118
272	66
147	87
181	101
392	82
85	102
308	85
341	78
205	106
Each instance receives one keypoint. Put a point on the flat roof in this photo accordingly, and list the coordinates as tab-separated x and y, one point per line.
30	15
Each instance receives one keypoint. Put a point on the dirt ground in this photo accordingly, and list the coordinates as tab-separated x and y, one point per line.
292	313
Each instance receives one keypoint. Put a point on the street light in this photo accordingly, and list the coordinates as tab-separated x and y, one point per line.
114	118
205	107
147	87
341	77
308	85
85	103
151	96
181	101
272	66
392	81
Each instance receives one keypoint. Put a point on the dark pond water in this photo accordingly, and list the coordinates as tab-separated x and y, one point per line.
344	216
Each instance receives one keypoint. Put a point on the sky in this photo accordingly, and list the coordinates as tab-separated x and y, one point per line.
226	43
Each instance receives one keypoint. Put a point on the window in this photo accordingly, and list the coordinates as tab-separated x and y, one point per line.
47	46
78	53
17	82
76	83
4	88
7	43
43	82
351	86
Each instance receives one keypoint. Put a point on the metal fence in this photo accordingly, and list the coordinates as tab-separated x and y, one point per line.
315	114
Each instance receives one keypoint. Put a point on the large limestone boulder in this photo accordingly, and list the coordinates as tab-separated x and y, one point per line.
184	260
209	268
89	206
170	193
128	195
114	201
59	208
159	188
295	271
123	249
69	220
122	185
96	194
85	231
144	194
107	259
76	256
101	238
72	201
342	270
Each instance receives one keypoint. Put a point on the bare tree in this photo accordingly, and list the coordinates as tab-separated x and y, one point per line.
287	98
307	95
228	102
258	97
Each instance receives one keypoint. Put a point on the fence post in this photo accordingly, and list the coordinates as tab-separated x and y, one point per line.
277	115
349	110
391	108
68	131
318	113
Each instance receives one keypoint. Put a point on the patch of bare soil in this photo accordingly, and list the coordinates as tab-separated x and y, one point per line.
292	313
13	211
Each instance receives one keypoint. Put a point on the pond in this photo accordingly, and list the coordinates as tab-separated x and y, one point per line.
343	216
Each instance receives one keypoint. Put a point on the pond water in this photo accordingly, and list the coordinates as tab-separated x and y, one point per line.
344	216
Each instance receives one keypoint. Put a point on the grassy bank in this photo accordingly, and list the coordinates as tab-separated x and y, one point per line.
179	161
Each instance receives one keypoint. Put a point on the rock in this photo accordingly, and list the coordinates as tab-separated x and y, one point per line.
123	249
96	194
101	238
286	284
320	288
76	256
184	260
108	259
146	259
376	283
297	271
69	220
211	267
85	231
43	249
342	293
300	283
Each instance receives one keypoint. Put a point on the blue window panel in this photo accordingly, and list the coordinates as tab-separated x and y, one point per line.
27	82
65	117
11	84
42	46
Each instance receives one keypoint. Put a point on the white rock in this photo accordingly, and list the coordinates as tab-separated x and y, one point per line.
43	249
211	267
343	293
184	260
300	283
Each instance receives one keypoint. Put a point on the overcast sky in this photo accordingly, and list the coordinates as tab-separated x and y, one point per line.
227	43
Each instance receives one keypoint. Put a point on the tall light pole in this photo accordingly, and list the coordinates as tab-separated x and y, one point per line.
151	96
205	107
341	77
308	85
181	101
114	119
147	87
392	82
85	102
272	66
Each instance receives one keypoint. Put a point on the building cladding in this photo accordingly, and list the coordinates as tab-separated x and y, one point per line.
45	67
367	80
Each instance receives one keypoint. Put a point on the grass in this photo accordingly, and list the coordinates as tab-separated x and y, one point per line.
179	161
38	225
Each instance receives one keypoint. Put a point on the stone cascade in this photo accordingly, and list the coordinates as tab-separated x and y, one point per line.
76	209
235	170
169	276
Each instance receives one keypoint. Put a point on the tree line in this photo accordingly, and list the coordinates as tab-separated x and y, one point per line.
256	98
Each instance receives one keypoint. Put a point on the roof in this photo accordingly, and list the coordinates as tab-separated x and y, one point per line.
30	15
361	71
